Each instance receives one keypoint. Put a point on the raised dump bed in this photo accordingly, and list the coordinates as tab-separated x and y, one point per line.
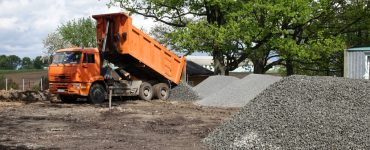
135	51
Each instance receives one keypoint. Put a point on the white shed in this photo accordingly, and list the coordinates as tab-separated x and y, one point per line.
357	63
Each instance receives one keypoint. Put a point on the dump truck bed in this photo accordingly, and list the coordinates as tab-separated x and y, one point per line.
125	39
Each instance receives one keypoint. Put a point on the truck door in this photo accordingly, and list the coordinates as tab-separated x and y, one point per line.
90	68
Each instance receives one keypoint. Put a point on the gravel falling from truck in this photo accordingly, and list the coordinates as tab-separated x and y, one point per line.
301	112
183	92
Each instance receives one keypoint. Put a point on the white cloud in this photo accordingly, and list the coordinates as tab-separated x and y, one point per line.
7	23
24	23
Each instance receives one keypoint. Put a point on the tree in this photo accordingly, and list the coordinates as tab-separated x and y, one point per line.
184	15
13	62
346	19
10	62
80	32
26	63
53	42
301	34
353	22
293	32
38	63
3	62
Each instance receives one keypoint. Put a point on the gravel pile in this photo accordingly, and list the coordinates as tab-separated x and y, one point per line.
301	112
183	92
16	95
239	92
213	84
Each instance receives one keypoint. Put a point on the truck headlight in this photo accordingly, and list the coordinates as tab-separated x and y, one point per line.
76	85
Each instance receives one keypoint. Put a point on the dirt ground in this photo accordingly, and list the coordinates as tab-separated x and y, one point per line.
130	125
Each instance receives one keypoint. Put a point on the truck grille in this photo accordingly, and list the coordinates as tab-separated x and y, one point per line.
62	78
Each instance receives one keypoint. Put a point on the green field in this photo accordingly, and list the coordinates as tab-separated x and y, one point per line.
5	72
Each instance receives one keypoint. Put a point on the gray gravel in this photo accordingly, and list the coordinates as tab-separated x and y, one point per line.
239	92
301	112
183	92
213	84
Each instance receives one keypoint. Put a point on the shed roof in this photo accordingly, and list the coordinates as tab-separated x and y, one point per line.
194	69
359	49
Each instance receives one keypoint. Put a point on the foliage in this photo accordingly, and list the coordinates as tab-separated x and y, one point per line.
13	62
80	32
9	62
26	63
53	42
39	63
351	21
305	36
185	15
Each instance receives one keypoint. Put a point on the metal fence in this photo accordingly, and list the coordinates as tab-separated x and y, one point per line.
26	84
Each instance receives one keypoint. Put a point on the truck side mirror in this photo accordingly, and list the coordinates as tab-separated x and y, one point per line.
116	37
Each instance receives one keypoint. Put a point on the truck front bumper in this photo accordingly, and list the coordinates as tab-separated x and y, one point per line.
81	89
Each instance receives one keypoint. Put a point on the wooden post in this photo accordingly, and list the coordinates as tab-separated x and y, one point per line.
6	84
41	84
23	84
110	98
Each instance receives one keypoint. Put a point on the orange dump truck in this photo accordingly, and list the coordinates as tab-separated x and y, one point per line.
127	61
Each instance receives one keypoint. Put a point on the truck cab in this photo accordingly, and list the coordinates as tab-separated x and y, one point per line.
73	71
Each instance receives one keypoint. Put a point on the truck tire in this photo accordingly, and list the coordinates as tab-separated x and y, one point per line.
146	91
67	98
97	94
161	91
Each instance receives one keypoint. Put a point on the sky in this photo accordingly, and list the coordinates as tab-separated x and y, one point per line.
25	23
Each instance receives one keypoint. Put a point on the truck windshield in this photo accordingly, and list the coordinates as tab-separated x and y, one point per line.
67	58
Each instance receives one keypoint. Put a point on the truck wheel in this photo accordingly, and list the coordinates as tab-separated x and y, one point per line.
161	91
67	98
97	94
146	91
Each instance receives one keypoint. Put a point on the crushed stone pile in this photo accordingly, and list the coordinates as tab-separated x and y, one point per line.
239	92
213	84
301	112
28	96
183	92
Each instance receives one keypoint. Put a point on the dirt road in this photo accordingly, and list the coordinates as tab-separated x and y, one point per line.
130	125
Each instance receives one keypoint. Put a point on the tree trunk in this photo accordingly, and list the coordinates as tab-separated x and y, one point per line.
258	67
289	67
218	63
